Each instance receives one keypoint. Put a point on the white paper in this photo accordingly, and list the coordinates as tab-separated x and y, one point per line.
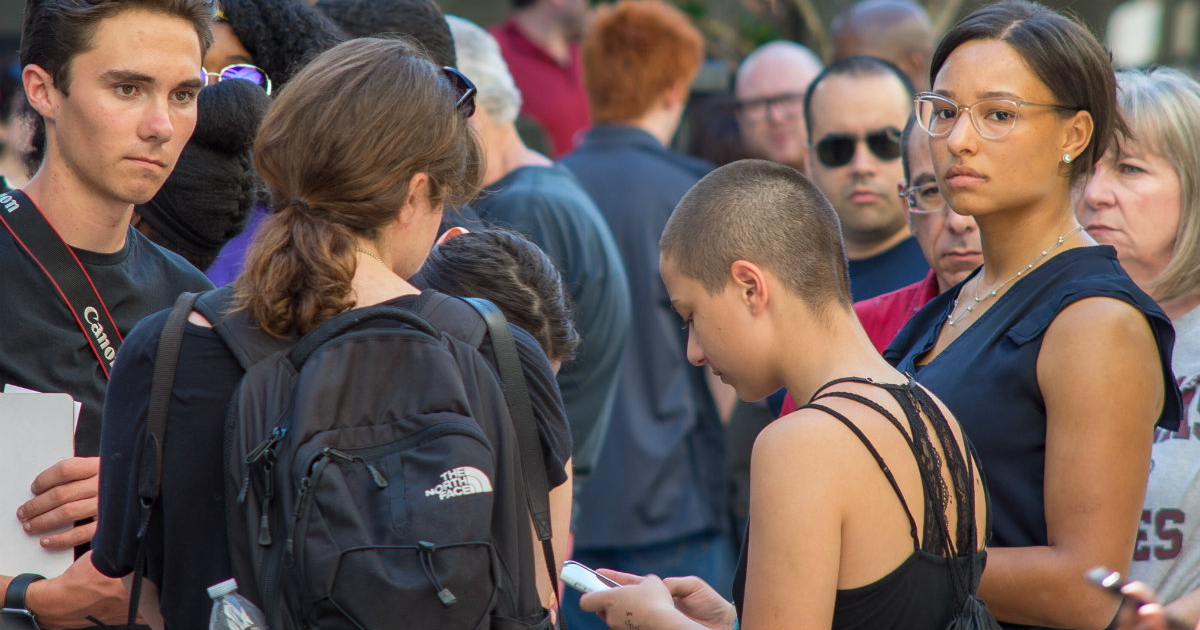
17	389
38	431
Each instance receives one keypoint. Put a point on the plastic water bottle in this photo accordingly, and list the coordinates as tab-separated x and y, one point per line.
232	611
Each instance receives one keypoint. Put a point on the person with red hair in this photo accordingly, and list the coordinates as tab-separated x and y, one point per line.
655	501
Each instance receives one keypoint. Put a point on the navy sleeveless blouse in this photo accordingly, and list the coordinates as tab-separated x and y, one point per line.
988	376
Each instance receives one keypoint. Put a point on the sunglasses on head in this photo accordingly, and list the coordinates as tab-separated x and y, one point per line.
243	71
464	89
837	149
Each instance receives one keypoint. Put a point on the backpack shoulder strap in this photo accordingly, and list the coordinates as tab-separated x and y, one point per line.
516	393
248	343
448	311
150	467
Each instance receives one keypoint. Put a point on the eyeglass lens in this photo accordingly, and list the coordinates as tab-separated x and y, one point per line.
837	150
788	105
926	198
465	90
246	72
992	118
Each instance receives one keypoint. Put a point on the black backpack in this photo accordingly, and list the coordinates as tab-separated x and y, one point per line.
374	476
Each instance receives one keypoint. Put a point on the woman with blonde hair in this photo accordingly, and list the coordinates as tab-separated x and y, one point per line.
1143	198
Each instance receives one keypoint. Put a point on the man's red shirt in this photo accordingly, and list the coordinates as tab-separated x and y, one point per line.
552	94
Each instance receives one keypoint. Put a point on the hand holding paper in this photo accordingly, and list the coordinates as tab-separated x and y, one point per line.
65	493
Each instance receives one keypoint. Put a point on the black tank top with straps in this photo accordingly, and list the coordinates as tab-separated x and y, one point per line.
928	587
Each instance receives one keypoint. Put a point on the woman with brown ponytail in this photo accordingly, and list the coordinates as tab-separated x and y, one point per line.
360	152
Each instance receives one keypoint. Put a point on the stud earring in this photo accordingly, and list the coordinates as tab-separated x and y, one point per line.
1066	158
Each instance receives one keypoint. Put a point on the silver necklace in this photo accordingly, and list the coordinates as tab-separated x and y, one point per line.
371	254
950	319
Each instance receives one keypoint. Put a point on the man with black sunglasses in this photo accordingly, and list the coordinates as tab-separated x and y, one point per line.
854	111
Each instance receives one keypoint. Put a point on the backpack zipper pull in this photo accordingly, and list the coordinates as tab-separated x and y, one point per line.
265	447
264	522
380	480
376	476
289	545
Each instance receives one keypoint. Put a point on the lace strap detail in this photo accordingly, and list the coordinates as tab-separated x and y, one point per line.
887	472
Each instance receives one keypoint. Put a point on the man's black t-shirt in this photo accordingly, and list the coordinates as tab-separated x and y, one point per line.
42	347
187	546
887	271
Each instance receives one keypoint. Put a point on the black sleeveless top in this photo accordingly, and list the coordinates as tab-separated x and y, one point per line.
927	588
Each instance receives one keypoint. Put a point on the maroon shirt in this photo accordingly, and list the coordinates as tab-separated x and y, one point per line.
883	316
553	94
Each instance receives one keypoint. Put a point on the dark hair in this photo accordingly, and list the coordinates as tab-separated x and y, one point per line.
858	66
281	35
337	153
1062	53
421	20
55	31
521	4
910	127
766	213
207	199
514	274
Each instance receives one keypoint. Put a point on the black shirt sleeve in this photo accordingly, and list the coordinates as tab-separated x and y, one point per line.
547	403
114	546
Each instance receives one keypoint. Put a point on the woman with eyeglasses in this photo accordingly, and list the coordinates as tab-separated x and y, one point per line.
1144	199
264	42
361	155
1055	362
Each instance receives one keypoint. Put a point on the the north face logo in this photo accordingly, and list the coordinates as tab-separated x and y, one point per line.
460	482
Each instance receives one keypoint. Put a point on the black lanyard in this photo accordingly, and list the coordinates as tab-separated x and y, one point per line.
39	239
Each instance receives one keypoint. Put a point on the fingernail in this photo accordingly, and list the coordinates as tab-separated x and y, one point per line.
21	513
45	542
28	526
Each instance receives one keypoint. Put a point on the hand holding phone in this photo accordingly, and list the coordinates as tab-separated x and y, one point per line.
1134	613
583	579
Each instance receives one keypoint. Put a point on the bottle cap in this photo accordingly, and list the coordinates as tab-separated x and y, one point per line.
224	588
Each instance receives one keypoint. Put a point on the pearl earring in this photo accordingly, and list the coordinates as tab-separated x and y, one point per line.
1066	158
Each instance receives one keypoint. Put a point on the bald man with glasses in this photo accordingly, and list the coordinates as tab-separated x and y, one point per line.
769	92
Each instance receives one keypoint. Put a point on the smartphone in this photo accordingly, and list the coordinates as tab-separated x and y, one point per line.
1108	580
583	579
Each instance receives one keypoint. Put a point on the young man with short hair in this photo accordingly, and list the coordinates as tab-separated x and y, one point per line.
114	84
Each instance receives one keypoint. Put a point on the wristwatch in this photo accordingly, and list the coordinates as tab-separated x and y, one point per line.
15	613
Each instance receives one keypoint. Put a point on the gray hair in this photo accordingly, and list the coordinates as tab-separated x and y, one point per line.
479	58
1162	107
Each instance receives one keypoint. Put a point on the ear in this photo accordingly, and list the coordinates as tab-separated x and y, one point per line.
677	95
750	281
901	184
1078	133
40	91
418	197
451	233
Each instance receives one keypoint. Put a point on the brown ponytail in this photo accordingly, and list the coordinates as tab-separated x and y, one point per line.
337	151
